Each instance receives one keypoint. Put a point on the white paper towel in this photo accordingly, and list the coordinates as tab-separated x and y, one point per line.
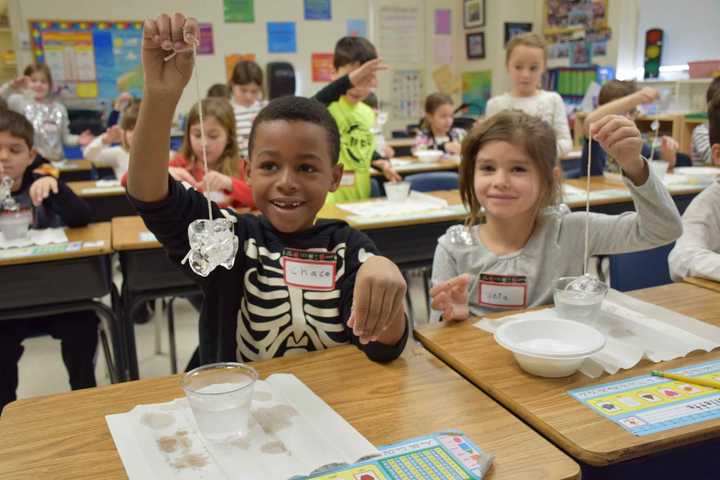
36	237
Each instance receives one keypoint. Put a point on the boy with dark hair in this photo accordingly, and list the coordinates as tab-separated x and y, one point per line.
246	85
697	251
619	97
356	63
55	204
701	153
297	284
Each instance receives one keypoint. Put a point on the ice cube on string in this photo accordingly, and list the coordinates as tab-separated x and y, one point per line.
586	284
213	243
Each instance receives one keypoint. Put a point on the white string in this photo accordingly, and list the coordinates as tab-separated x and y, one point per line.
652	145
587	202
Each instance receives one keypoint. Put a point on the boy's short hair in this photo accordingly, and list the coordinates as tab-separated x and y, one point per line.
220	90
349	50
247	71
614	89
371	101
713	88
714	119
17	126
299	109
129	115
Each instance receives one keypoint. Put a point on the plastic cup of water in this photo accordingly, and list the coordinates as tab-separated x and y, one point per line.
15	225
579	305
220	395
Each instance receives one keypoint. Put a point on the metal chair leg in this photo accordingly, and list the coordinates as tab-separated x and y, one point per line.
171	334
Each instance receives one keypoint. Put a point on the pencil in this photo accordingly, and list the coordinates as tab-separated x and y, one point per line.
694	381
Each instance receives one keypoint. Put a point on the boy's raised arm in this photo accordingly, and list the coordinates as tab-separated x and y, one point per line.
164	83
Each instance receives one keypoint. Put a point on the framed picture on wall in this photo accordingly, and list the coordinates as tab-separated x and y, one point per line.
514	28
475	44
473	13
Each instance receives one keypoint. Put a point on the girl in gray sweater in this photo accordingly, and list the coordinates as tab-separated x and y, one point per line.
508	256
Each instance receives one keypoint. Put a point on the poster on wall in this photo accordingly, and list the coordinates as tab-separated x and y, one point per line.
90	60
476	88
281	37
442	22
516	28
406	97
563	16
322	67
231	60
445	81
205	33
317	10
356	28
399	34
239	11
442	50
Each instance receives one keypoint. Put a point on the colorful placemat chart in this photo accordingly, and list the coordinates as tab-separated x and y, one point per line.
646	404
440	456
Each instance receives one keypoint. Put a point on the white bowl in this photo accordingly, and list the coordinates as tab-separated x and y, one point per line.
660	167
397	191
429	155
549	347
698	175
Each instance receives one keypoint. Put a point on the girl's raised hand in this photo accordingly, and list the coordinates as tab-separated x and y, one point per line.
620	138
451	298
168	36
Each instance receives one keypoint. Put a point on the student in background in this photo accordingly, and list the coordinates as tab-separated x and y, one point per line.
55	205
31	95
356	64
697	252
381	146
525	59
263	307
226	179
509	169
246	84
118	106
104	148
701	153
619	97
436	132
219	90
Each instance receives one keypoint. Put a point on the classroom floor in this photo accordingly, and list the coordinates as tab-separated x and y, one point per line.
43	373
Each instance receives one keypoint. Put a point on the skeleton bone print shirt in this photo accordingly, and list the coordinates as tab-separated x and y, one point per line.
285	295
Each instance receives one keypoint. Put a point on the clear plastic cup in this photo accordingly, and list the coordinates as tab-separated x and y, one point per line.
14	225
220	395
582	306
397	191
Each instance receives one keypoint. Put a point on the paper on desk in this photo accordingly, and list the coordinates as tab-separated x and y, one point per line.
107	183
634	330
416	202
573	194
45	236
293	432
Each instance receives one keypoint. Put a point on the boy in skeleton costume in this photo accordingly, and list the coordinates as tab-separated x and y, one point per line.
297	285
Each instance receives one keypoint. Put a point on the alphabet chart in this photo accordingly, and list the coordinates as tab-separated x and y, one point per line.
441	456
646	404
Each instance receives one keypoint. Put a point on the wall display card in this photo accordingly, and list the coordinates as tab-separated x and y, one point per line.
231	60
442	22
317	10
322	67
646	404
281	37
239	11
476	87
406	95
399	34
207	46
442	50
356	28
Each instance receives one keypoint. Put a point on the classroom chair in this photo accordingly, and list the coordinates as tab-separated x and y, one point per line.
647	268
432	181
376	189
400	134
466	123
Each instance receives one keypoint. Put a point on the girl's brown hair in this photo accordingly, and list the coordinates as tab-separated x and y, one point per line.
221	110
42	68
435	101
534	135
528	39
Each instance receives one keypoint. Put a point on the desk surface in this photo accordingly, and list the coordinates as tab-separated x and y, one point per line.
545	404
416	166
400	142
95	232
126	234
89	189
704	283
67	434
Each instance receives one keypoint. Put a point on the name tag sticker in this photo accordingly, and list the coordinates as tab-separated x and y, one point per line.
502	291
309	270
348	179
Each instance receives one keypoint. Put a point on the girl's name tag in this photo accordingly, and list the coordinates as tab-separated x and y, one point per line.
309	270
502	290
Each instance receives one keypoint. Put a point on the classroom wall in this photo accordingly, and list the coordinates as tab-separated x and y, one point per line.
229	38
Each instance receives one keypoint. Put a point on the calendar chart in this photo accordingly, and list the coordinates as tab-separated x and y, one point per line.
646	404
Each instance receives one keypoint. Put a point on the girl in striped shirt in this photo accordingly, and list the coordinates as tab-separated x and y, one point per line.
246	84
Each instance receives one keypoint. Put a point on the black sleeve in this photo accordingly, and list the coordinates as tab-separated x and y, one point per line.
358	247
376	156
113	118
73	210
168	220
333	91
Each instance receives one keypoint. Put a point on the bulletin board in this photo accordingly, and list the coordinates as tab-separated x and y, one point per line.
90	59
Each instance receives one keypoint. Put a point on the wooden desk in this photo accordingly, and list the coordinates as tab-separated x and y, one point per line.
105	202
148	274
703	283
51	283
67	434
444	165
544	404
82	170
